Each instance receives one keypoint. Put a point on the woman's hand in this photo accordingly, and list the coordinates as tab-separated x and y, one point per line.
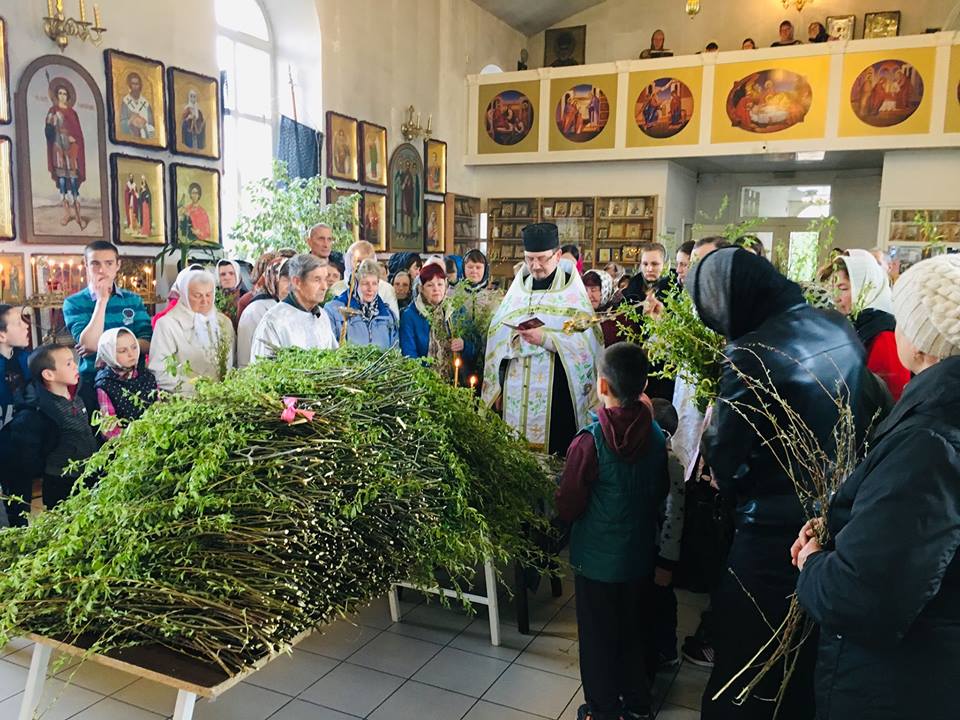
809	549
456	345
807	535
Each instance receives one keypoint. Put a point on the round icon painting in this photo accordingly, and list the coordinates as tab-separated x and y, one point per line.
663	108
769	101
509	117
582	113
886	93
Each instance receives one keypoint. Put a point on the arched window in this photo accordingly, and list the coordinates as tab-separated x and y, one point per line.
245	54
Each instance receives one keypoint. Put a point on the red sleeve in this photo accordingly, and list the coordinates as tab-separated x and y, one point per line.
884	361
579	475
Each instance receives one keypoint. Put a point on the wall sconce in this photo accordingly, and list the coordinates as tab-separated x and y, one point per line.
60	29
412	130
799	4
693	8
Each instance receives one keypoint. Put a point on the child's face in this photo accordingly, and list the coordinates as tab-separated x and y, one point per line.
17	333
65	373
128	351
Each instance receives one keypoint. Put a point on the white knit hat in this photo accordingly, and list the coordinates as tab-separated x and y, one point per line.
926	303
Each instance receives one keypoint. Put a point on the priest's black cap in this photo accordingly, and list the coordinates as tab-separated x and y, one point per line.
540	237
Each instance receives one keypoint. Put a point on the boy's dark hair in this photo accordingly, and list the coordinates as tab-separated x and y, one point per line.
654	247
624	366
44	358
98	245
687	247
666	415
712	46
718	240
4	309
571	249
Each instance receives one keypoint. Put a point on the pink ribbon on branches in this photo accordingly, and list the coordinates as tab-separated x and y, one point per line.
291	411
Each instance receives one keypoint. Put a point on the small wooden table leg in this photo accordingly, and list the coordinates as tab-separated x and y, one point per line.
493	604
523	608
185	704
36	678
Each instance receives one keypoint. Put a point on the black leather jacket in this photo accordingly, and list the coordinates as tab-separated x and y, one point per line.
808	354
887	594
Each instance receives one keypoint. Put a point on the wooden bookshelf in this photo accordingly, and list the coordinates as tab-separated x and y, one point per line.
623	225
506	218
463	223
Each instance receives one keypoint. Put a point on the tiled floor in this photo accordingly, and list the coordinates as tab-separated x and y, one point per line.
437	664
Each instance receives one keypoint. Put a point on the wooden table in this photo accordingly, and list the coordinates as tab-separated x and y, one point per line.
191	678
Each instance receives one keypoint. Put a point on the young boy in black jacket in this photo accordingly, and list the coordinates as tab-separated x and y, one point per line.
50	428
612	490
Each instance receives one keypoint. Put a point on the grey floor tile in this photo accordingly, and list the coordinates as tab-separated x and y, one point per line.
687	688
12	679
676	712
301	710
461	671
435	623
476	638
99	679
414	701
58	661
60	701
352	689
395	654
554	654
570	712
110	709
533	691
149	696
13	646
243	701
563	624
339	640
292	674
484	710
377	614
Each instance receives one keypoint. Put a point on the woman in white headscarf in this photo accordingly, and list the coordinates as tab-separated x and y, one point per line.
125	387
193	340
173	296
604	296
863	294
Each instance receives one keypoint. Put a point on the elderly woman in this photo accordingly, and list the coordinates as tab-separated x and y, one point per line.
364	319
267	296
863	295
230	289
403	288
420	333
604	296
299	320
173	296
193	340
775	338
886	590
358	252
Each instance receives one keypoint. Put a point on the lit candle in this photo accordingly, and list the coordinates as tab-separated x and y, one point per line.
473	381
83	12
96	16
457	362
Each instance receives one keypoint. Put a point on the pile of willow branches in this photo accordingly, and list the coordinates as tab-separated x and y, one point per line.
221	529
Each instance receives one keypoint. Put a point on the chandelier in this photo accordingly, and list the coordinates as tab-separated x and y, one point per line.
798	4
693	7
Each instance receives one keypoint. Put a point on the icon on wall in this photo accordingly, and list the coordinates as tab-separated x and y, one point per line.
582	113
509	117
769	101
664	108
886	93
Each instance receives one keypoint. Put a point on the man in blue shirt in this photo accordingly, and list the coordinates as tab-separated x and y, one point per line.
102	306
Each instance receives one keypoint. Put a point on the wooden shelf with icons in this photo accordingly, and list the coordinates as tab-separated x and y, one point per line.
463	223
506	218
624	225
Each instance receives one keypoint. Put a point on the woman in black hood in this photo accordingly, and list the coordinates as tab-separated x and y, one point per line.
773	333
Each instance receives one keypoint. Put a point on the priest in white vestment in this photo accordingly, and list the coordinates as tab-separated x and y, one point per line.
543	379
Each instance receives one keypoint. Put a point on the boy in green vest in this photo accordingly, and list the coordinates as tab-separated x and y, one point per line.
612	491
